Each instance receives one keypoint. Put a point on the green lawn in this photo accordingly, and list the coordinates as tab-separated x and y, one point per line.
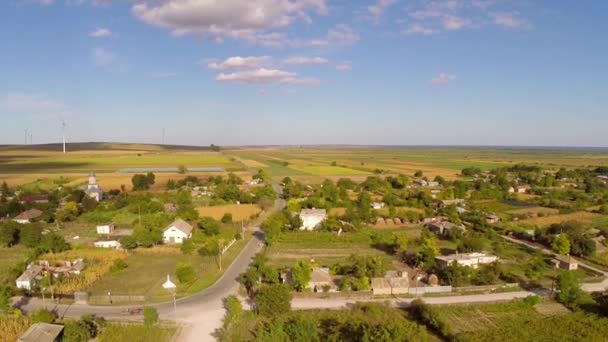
9	258
116	332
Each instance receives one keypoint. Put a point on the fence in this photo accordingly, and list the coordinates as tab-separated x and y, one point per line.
429	289
225	248
116	299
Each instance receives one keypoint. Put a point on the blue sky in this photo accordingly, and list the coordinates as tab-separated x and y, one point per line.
236	72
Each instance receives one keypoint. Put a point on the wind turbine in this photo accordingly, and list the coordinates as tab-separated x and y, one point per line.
63	124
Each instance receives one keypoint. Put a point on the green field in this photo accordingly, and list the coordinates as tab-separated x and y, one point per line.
116	332
9	258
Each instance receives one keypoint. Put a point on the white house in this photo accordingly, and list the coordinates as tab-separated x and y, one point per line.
311	218
177	232
378	205
466	259
111	243
105	229
93	190
29	278
28	216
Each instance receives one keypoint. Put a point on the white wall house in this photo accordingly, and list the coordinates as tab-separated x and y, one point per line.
107	244
311	218
28	216
93	190
105	229
177	232
29	278
466	259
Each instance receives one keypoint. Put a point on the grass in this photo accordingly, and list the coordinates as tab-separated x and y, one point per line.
328	170
11	327
534	211
140	279
581	216
239	211
9	258
116	332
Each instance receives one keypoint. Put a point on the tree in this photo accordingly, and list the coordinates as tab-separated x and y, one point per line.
53	242
143	182
81	330
182	169
262	175
212	249
69	212
569	289
30	236
301	328
128	242
227	218
272	300
150	316
42	316
418	173
9	233
185	272
561	244
209	225
301	275
5	298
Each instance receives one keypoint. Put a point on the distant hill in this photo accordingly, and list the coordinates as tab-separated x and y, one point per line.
104	146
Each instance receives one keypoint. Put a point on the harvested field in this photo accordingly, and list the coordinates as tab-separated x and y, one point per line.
328	170
239	211
534	211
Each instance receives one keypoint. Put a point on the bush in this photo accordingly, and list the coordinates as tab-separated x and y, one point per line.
532	300
42	316
80	331
426	315
185	272
272	300
227	218
150	316
118	266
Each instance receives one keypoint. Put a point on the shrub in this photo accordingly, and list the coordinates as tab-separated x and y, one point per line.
272	300
185	272
532	300
118	266
150	316
42	316
227	218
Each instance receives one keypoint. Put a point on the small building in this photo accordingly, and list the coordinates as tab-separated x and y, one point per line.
432	184
311	218
42	332
377	205
28	216
108	243
93	190
38	199
519	189
177	232
320	279
443	227
393	282
105	229
491	219
466	259
565	262
457	202
30	277
421	182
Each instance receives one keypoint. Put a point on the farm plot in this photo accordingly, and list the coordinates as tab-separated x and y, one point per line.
321	170
581	216
9	258
239	212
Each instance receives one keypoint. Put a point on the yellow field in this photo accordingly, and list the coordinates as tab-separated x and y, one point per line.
581	216
534	211
239	211
252	163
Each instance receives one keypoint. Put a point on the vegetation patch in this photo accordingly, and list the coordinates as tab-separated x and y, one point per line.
239	212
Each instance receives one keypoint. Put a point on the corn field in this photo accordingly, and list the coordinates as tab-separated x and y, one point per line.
12	326
97	264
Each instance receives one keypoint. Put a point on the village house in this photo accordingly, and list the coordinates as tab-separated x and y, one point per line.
466	259
393	283
321	280
602	179
28	216
105	229
93	190
443	227
432	184
30	277
42	332
177	232
565	262
38	199
311	218
519	189
62	268
421	182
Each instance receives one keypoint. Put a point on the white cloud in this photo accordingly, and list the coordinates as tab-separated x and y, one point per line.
338	35
345	66
101	57
238	62
300	60
30	103
100	33
415	28
453	23
236	19
379	7
510	20
442	79
265	76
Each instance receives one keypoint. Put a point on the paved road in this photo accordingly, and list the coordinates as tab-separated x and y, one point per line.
199	314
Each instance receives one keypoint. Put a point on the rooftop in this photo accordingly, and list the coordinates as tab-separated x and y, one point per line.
41	332
181	225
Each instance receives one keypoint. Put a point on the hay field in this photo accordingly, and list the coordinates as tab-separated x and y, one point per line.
581	216
320	170
239	211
